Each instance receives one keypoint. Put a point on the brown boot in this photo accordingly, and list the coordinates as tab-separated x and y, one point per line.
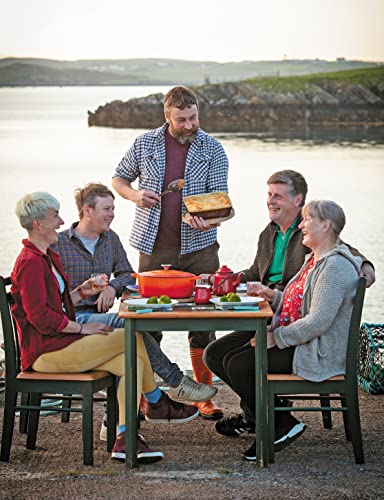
207	409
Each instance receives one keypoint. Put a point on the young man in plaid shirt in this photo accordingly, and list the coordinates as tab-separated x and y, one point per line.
90	246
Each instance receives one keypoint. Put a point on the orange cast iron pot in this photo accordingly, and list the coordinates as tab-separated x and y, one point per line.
175	284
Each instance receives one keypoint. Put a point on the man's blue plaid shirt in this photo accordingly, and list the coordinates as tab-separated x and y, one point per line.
109	258
206	171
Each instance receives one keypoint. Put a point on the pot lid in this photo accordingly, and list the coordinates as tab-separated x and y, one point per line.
166	273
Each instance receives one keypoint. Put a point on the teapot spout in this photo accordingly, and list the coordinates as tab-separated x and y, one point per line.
236	282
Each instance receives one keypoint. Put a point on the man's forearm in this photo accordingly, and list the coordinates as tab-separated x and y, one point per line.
124	189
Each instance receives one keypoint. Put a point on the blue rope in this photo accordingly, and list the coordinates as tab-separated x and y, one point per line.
47	403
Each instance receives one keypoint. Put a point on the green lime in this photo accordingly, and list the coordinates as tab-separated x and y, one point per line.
164	299
233	297
152	300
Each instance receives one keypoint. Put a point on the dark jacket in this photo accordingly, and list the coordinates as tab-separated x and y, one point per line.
294	257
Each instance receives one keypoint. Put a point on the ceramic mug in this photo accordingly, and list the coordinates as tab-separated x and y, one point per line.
202	294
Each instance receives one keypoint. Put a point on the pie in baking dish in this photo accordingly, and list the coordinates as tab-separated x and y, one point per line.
208	205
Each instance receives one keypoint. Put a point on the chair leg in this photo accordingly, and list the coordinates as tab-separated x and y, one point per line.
354	426
111	415
66	404
88	427
8	424
346	421
271	425
327	415
33	420
23	420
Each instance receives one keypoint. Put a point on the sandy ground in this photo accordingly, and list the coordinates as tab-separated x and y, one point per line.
199	463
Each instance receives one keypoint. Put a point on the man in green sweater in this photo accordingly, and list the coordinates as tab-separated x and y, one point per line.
280	255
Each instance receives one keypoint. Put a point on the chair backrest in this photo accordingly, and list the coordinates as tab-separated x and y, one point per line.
11	340
354	330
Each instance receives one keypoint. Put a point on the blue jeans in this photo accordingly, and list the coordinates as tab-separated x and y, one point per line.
161	364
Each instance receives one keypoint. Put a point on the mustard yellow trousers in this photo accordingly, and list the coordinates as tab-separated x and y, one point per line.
101	352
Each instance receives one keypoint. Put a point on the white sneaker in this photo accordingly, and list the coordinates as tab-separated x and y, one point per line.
103	430
190	390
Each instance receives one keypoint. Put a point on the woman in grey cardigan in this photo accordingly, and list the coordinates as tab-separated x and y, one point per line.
309	331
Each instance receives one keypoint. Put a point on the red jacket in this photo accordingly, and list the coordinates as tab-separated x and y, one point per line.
38	308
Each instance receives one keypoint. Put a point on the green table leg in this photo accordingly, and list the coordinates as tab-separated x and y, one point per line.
261	399
130	394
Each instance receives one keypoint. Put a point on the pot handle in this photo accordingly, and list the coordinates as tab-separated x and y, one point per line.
134	275
194	278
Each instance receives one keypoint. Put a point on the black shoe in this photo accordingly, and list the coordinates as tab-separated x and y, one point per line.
284	440
234	426
285	437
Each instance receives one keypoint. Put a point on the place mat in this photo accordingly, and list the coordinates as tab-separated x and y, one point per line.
237	308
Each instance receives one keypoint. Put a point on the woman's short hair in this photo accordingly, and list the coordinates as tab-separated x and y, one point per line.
88	194
179	97
34	206
326	210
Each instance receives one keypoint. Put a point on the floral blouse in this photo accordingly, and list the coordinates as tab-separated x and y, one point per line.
293	298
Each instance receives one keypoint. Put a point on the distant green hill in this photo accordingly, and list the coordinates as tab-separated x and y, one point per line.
367	77
21	74
36	72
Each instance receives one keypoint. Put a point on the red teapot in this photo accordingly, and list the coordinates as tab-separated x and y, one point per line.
224	281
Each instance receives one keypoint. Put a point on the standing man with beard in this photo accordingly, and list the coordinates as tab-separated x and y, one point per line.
177	150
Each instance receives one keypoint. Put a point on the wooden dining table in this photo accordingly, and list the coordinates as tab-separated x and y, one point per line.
197	320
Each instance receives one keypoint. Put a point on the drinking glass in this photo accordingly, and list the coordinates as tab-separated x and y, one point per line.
99	282
253	287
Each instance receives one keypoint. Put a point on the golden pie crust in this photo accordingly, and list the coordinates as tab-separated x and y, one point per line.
208	205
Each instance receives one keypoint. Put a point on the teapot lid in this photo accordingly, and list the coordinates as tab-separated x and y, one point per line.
224	270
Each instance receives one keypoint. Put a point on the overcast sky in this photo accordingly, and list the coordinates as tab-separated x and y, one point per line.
219	30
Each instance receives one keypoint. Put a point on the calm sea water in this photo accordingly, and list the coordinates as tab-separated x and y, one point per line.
46	144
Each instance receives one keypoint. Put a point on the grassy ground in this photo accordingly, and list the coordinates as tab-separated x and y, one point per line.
293	84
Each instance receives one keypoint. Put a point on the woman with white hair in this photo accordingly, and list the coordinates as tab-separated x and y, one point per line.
308	335
50	338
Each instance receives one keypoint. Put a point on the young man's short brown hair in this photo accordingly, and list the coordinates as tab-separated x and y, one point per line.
179	97
88	194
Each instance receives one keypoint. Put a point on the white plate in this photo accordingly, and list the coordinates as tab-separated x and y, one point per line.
143	302
245	301
132	288
241	288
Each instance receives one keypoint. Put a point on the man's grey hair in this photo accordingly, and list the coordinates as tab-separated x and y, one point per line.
34	206
294	180
326	210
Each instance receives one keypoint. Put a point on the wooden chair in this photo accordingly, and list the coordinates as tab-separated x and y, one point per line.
33	384
341	388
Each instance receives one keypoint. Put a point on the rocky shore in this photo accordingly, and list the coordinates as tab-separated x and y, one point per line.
265	105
